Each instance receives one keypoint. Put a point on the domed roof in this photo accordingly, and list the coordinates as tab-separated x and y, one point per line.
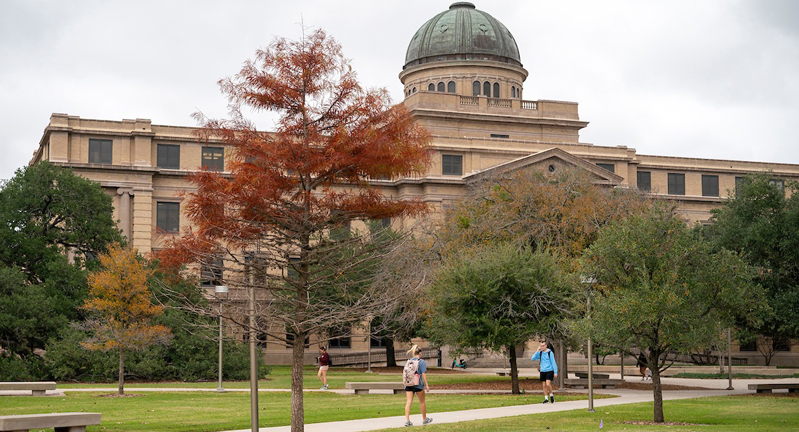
462	33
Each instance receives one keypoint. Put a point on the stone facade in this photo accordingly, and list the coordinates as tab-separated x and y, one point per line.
474	134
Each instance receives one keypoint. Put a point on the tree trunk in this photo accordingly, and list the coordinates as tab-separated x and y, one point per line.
563	366
391	360
121	371
514	370
654	366
297	408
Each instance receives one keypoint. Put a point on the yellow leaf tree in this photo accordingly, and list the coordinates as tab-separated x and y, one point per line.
120	306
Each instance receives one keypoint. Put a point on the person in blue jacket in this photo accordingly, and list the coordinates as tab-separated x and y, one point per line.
548	368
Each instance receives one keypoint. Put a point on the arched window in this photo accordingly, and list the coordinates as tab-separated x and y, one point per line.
487	89
441	87
513	91
496	90
451	87
431	87
476	88
414	90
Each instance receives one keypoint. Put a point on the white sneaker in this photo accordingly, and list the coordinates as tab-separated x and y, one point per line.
324	387
427	420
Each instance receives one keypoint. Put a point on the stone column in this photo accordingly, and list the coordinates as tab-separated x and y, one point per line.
124	212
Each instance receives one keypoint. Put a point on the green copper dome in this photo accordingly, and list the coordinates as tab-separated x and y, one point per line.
462	33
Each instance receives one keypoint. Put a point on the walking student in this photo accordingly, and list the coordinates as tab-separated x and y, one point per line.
642	365
324	365
548	370
414	376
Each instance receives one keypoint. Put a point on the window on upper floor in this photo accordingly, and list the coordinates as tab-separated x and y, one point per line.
476	88
496	90
441	87
212	273
213	158
739	182
451	87
608	166
431	87
513	91
487	89
780	184
100	151
676	184
168	156
710	185
339	338
451	164
644	181
167	217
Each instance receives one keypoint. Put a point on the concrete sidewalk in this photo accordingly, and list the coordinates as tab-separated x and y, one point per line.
624	397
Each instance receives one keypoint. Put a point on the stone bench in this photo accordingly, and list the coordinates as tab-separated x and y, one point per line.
503	372
61	422
596	376
583	383
365	387
767	388
36	388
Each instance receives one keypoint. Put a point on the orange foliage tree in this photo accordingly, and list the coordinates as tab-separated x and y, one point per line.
120	307
270	221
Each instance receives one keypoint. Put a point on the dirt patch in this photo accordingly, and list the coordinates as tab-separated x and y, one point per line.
651	423
532	384
117	395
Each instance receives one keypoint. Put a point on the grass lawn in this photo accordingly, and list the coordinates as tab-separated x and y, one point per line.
724	413
280	378
205	411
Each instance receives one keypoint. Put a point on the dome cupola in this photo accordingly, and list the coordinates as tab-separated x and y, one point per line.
462	33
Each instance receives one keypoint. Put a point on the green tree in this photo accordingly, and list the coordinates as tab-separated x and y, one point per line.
498	298
121	307
763	225
47	212
661	288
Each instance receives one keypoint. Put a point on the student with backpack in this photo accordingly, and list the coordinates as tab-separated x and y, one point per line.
414	376
548	370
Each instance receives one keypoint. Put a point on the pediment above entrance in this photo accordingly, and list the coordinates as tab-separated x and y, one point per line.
550	160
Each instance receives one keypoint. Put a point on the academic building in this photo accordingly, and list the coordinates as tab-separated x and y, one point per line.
464	80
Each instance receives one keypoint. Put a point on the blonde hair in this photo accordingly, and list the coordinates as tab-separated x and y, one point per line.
414	350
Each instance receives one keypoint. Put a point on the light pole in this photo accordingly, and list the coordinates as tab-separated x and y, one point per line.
369	346
589	281
729	359
219	290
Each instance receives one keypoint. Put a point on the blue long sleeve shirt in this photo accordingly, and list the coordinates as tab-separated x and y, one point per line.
547	361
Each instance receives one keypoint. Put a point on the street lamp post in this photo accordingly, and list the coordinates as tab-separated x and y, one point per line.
219	290
589	281
369	346
729	358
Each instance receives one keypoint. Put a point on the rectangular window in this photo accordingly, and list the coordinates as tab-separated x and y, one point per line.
100	151
167	217
780	184
377	342
608	166
451	164
710	185
168	156
290	340
645	181
500	136
212	273
782	345
739	182
676	184
339	338
213	158
749	346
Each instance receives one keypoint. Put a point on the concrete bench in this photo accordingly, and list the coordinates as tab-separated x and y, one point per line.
61	422
583	383
36	388
767	388
503	372
596	376
365	387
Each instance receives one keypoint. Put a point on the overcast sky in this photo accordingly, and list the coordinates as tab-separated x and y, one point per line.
707	79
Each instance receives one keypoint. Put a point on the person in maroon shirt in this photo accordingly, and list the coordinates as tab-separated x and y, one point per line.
324	365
